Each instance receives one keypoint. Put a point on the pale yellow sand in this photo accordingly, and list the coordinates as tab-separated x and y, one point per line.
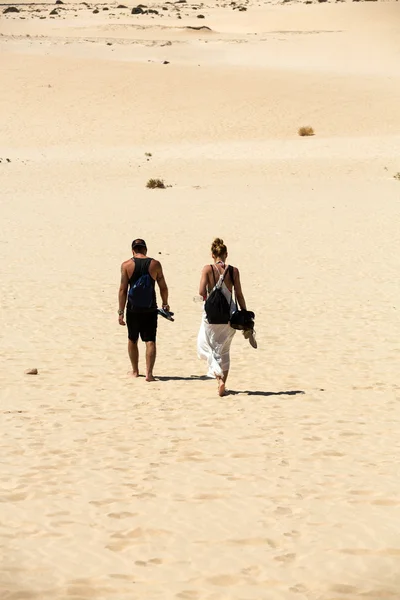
288	488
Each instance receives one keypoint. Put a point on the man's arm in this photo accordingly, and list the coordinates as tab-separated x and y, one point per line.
122	294
162	284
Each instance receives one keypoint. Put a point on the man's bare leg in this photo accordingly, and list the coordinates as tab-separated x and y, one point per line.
133	352
221	383
150	360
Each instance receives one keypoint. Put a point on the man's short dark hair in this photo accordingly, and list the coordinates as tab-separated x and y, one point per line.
138	245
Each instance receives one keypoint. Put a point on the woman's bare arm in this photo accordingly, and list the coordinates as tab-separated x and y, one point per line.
238	289
204	282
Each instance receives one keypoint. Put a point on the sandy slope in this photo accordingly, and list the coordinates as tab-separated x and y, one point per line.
288	488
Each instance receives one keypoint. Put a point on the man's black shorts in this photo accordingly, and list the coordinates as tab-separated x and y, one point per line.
143	323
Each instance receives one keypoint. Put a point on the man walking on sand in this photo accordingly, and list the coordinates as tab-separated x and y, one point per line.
138	275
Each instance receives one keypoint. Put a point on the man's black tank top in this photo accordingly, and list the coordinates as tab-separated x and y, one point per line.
142	266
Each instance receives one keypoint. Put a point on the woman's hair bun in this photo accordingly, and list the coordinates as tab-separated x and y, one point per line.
218	248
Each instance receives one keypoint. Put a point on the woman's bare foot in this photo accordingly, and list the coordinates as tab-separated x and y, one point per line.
150	378
221	387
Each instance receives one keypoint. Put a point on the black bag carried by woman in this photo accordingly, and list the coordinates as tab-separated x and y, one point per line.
240	319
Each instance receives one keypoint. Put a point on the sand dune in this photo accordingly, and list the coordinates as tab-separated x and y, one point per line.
287	488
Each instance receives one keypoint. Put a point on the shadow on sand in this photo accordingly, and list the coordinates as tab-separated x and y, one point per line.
230	392
177	378
259	393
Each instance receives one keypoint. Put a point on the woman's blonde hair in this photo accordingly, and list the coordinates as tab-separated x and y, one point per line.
218	248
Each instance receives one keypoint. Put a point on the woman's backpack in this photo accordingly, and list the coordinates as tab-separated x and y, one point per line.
217	306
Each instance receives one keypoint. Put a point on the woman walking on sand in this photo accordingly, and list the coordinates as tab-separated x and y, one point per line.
214	339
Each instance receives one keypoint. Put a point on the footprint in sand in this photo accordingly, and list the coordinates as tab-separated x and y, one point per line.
224	580
299	588
341	588
123	539
285	558
292	533
281	510
254	542
121	515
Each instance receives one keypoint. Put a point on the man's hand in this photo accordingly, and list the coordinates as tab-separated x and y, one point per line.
121	320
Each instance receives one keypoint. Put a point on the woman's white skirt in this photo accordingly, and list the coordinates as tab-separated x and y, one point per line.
213	345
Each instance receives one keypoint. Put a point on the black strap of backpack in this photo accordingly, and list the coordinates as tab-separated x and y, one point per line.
229	268
212	269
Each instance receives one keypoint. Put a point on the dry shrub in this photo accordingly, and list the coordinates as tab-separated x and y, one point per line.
304	131
397	176
155	183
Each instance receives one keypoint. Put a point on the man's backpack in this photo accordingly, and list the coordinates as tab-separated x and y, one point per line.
141	293
217	306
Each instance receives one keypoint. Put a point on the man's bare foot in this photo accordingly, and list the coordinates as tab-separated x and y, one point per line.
150	378
133	374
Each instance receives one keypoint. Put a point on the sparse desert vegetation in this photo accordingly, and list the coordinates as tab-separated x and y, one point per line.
397	176
148	154
306	131
155	183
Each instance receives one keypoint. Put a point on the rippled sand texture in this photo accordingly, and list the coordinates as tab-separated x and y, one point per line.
116	489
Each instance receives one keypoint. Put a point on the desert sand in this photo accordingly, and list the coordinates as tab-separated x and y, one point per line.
287	488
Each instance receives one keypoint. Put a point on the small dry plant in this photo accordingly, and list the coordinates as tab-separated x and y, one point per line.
155	183
148	154
397	176
304	131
